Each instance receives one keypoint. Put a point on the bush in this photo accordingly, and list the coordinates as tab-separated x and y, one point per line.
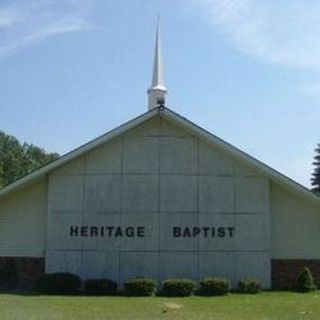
305	281
59	283
100	287
140	287
178	287
214	286
249	286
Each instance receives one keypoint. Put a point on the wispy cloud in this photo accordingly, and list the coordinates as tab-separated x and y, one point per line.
282	32
24	23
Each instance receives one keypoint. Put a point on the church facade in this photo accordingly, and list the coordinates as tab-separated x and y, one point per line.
159	197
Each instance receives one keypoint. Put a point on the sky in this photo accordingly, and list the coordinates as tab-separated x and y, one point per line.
246	70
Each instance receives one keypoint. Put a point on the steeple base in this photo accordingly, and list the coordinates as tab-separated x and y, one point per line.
156	98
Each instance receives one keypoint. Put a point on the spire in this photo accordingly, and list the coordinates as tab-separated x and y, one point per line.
158	91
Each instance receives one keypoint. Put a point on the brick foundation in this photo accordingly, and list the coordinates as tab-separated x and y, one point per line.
285	272
23	272
20	272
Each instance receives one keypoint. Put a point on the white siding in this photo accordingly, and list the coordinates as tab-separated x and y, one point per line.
158	175
295	230
23	221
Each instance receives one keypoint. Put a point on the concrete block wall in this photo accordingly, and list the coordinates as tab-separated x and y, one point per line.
159	176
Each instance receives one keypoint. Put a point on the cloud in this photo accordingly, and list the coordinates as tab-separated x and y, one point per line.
26	23
279	32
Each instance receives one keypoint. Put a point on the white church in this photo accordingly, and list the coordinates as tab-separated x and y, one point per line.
159	197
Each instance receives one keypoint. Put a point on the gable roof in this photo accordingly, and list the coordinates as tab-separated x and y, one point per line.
166	113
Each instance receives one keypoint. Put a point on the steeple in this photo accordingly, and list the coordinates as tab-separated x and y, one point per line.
158	91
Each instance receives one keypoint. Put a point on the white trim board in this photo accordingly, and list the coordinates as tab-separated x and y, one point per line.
164	112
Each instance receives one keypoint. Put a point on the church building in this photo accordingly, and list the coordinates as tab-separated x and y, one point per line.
159	197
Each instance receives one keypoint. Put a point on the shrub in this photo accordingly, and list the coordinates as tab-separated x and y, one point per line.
178	287
305	281
59	283
140	287
249	286
100	287
214	286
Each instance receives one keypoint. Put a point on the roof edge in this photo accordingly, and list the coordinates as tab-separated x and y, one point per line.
37	173
271	173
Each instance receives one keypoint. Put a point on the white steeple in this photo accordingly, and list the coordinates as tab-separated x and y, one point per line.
158	91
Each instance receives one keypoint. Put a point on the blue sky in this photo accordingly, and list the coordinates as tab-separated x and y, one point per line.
246	70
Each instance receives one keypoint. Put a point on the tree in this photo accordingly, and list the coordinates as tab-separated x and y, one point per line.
315	179
17	159
305	281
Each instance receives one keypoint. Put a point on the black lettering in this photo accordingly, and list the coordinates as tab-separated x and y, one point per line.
231	230
109	230
102	232
118	232
176	232
129	232
74	231
93	231
186	232
141	232
213	232
221	232
205	231
84	231
196	231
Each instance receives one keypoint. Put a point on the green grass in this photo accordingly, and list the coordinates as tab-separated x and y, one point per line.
268	305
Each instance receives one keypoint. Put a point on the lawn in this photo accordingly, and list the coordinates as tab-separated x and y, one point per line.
268	305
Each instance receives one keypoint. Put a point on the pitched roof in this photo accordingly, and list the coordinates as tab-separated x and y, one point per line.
164	112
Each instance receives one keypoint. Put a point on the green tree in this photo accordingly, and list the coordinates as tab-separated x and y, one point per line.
305	281
17	159
315	179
